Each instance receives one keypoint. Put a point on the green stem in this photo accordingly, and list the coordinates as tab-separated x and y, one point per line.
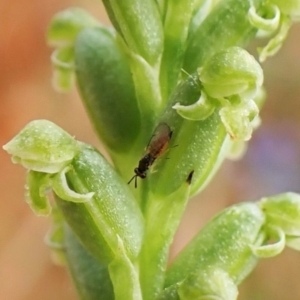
162	216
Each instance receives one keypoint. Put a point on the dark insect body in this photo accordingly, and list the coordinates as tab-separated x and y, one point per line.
157	147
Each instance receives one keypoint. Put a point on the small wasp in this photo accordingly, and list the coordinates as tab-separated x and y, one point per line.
157	146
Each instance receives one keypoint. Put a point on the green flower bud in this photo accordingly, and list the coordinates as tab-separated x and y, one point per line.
283	211
43	147
289	7
65	26
107	89
231	72
222	250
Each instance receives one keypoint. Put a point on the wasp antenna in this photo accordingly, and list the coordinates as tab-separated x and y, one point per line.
135	182
131	179
190	177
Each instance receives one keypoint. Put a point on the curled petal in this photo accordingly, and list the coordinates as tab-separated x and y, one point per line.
276	42
36	195
199	110
62	189
63	63
273	248
269	23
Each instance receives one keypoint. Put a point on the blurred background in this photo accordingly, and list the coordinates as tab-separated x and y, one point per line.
271	164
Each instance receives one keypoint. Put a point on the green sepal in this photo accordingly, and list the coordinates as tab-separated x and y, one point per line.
90	276
65	26
140	25
224	243
110	214
42	146
107	88
283	211
37	184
